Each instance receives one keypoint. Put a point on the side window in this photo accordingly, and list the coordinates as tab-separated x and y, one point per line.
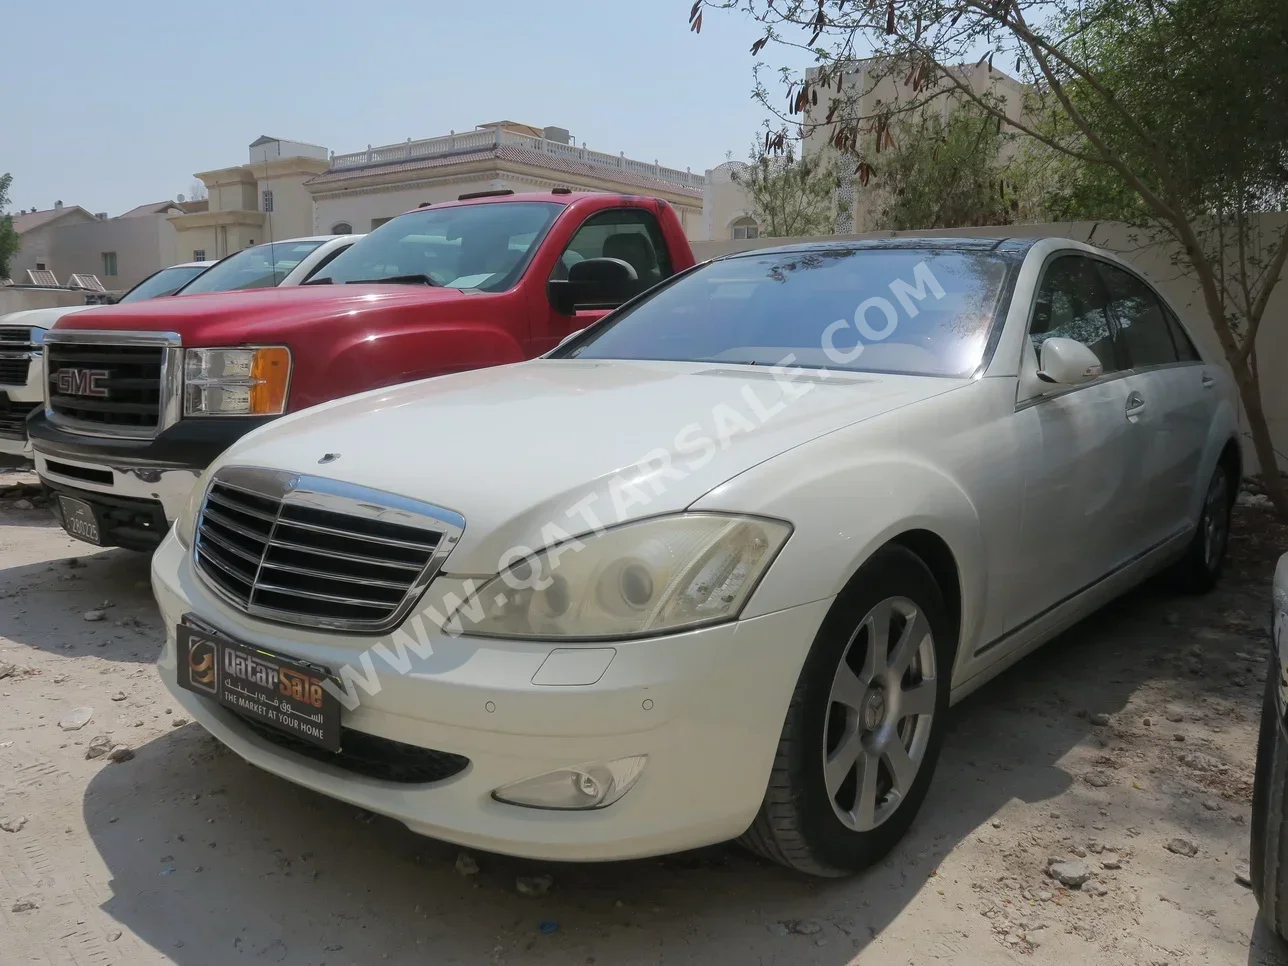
1142	327
1185	349
631	234
1071	305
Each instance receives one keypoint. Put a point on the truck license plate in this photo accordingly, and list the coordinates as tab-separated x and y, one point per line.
79	519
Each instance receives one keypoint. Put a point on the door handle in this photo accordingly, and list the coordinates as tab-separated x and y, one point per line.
1135	405
1207	382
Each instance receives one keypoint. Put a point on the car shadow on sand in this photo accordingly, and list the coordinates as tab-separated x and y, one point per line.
211	859
44	605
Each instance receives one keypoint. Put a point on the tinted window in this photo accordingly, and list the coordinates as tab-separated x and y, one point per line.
1142	327
631	234
263	266
878	310
1185	348
165	282
482	246
1071	305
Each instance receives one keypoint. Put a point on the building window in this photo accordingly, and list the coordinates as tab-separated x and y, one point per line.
268	201
109	263
198	254
342	228
745	228
40	267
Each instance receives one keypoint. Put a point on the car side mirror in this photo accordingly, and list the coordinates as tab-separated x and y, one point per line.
593	283
1067	362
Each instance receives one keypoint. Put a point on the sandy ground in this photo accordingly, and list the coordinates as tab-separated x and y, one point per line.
1136	729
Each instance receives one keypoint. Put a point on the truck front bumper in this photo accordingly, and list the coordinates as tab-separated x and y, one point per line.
137	487
17	401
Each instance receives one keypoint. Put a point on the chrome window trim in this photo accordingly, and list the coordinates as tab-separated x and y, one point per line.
338	497
171	408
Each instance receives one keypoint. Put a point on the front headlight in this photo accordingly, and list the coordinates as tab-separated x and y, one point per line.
236	382
652	577
187	521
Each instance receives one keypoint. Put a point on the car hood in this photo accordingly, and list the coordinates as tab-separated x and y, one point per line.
518	449
218	318
42	318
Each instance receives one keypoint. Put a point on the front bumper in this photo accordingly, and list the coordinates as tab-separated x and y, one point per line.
706	707
141	485
19	401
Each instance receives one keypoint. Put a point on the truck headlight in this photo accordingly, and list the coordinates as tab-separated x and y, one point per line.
640	579
250	381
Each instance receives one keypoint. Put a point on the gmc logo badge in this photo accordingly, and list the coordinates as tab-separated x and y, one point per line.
81	382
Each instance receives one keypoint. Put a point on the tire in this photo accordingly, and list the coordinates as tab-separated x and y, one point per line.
813	818
1199	570
1268	858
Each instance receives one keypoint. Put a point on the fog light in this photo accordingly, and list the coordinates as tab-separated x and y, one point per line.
585	786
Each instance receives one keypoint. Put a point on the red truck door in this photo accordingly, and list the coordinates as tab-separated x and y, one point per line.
632	234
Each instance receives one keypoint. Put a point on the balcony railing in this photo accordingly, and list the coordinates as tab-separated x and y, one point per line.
491	139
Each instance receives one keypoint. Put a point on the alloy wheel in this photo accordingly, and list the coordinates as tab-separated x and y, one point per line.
879	716
1216	520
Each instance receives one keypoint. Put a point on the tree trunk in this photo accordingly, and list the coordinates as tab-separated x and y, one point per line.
1262	444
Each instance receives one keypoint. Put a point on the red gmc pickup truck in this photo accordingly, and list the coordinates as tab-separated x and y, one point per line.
142	397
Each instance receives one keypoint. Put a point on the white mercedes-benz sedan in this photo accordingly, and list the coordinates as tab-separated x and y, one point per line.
717	566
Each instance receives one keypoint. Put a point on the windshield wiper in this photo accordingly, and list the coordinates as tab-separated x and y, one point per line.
319	281
421	278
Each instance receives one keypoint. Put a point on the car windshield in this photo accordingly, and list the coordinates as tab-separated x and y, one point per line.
921	311
262	266
483	246
165	282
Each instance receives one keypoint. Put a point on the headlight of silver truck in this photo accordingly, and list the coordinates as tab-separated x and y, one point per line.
651	577
242	381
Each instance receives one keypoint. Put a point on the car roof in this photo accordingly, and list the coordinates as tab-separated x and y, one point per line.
190	265
902	243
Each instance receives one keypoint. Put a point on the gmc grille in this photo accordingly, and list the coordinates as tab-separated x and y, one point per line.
13	417
15	348
16	337
13	372
105	385
303	550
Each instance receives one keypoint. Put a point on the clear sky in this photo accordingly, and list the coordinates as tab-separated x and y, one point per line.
111	105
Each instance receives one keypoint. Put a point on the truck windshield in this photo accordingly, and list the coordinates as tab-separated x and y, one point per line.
918	311
483	246
262	266
165	282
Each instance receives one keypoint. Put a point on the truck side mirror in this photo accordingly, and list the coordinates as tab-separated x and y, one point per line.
594	283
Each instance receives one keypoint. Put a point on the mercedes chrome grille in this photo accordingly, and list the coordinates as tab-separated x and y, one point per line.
317	552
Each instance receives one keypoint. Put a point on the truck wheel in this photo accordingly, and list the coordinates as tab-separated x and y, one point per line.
1198	571
864	726
1268	860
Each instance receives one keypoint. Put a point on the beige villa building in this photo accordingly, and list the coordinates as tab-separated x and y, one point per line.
251	203
727	211
362	190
